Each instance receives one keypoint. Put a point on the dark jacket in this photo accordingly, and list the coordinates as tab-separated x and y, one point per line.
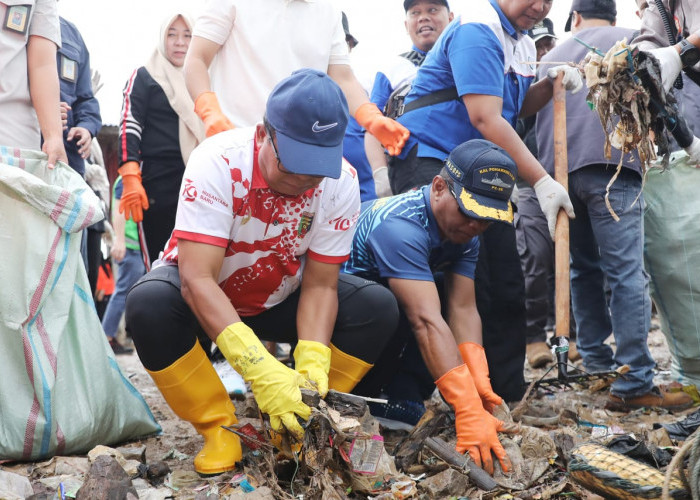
73	61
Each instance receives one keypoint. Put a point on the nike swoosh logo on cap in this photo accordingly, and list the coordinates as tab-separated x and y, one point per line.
316	127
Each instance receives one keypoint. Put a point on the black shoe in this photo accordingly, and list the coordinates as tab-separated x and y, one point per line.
118	348
397	414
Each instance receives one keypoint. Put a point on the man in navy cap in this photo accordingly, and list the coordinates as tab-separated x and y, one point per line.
424	246
265	219
475	83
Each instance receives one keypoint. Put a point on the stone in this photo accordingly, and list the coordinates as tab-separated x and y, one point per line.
14	486
447	483
106	480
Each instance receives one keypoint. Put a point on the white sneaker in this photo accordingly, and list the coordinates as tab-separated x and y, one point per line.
233	382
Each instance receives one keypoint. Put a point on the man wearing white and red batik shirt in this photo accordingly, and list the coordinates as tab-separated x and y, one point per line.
265	218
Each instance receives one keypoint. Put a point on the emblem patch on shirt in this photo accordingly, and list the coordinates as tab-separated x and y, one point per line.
17	18
69	69
189	192
305	222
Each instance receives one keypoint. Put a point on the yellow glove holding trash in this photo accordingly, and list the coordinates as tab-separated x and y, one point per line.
275	386
313	360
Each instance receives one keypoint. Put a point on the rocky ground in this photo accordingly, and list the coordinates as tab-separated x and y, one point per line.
576	413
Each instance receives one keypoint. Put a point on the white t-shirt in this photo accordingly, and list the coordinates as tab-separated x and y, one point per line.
225	201
263	42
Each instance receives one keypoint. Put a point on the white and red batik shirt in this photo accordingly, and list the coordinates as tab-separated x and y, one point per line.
224	201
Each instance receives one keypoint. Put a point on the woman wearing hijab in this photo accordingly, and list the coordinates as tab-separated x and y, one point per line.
158	130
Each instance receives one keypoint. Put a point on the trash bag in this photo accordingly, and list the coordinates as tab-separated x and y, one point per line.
680	430
672	259
648	453
61	390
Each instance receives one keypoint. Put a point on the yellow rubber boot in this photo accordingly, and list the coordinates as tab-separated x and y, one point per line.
195	393
346	370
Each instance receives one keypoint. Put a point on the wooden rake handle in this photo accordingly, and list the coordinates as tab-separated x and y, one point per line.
561	232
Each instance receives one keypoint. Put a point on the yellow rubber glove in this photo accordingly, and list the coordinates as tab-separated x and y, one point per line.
477	430
207	108
134	200
313	360
475	358
389	132
275	386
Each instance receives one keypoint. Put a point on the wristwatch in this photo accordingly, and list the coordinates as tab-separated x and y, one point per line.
690	54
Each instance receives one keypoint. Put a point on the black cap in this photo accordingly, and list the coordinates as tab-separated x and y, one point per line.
346	28
408	3
599	9
484	176
543	29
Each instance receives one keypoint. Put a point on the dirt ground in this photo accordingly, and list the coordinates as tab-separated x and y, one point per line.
178	443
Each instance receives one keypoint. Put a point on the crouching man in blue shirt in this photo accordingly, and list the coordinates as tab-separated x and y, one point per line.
402	242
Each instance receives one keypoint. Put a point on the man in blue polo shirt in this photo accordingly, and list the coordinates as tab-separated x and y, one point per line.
402	242
484	56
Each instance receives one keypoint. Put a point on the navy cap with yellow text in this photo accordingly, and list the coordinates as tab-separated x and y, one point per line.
484	176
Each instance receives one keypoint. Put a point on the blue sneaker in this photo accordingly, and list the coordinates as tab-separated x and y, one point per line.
397	414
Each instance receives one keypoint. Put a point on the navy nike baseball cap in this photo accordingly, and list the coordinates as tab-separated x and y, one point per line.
309	114
484	176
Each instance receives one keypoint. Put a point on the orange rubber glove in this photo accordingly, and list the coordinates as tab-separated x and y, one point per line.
389	132
476	428
207	108
475	358
134	200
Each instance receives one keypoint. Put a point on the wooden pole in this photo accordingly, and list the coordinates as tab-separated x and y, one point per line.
561	232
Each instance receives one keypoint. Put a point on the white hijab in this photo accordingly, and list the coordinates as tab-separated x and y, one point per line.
172	80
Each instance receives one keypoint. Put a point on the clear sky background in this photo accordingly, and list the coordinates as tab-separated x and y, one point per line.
122	35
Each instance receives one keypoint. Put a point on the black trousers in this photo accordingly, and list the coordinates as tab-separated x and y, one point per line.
412	172
164	328
500	299
158	224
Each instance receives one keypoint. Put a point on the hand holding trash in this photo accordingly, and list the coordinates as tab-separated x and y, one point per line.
572	77
275	386
313	360
476	428
670	65
552	196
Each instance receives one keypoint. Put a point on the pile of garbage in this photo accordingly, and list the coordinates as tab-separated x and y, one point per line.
562	444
